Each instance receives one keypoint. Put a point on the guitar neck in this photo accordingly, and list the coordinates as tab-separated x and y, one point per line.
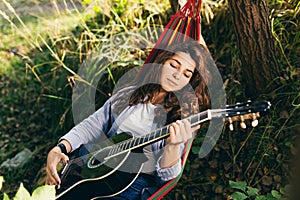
233	112
155	135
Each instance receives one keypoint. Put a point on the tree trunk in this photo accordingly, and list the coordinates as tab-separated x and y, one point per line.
174	5
256	44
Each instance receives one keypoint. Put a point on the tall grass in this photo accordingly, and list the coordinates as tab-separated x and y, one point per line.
49	44
55	49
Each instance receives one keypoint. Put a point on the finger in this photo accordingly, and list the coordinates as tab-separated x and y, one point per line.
64	158
50	180
47	181
172	134
187	125
56	178
176	127
183	134
187	130
50	172
195	128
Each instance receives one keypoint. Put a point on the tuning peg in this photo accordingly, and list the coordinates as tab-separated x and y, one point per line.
230	124
254	123
242	124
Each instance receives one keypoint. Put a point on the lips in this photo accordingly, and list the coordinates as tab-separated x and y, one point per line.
172	82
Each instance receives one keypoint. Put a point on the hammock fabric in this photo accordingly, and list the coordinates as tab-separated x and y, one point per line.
183	26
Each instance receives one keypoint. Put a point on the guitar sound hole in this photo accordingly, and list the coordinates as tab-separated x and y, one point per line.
94	163
98	158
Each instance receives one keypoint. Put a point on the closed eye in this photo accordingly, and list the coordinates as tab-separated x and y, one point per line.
174	66
188	75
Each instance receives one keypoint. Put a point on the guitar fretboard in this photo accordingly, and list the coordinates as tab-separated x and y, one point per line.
153	136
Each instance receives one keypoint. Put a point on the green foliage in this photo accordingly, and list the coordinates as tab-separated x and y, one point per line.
242	191
37	82
45	192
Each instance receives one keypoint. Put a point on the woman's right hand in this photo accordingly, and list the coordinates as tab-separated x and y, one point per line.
55	156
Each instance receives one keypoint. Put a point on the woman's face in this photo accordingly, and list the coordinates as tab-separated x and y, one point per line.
177	72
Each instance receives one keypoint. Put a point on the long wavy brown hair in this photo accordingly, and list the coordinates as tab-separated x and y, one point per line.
177	105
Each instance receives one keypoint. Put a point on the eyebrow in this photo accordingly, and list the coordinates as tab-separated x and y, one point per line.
181	64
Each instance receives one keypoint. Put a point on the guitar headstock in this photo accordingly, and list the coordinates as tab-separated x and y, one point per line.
246	111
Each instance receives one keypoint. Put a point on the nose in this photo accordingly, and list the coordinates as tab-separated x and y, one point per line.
176	75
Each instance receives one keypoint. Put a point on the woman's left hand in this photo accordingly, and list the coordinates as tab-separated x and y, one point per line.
181	131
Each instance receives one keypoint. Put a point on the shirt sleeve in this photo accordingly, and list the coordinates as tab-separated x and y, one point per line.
166	174
90	129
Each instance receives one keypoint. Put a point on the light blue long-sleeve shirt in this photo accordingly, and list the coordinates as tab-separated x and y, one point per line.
104	124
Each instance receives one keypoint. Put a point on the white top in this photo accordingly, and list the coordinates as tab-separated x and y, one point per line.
139	123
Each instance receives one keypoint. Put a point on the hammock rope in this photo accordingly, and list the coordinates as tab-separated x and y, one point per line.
183	26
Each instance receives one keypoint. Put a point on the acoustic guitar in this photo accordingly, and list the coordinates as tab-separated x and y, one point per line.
108	169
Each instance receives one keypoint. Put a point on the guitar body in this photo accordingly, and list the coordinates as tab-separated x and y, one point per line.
89	175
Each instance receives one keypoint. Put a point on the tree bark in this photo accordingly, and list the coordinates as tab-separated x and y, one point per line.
256	44
174	5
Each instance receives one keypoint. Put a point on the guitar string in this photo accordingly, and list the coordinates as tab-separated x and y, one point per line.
119	147
230	110
129	142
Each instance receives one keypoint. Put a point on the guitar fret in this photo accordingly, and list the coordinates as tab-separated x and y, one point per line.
157	133
143	140
126	145
135	142
117	148
164	131
149	137
113	151
160	132
154	134
121	145
130	144
138	139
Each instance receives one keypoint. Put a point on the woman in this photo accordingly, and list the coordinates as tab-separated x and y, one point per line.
173	88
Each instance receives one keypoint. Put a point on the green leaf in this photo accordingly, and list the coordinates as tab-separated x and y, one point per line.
5	196
270	197
276	194
1	181
86	2
238	196
45	192
261	197
22	193
96	9
286	190
238	185
252	191
195	150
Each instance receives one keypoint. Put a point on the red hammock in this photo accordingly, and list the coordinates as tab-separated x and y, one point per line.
185	25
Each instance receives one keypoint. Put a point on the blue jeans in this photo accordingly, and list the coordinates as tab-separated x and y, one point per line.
134	192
